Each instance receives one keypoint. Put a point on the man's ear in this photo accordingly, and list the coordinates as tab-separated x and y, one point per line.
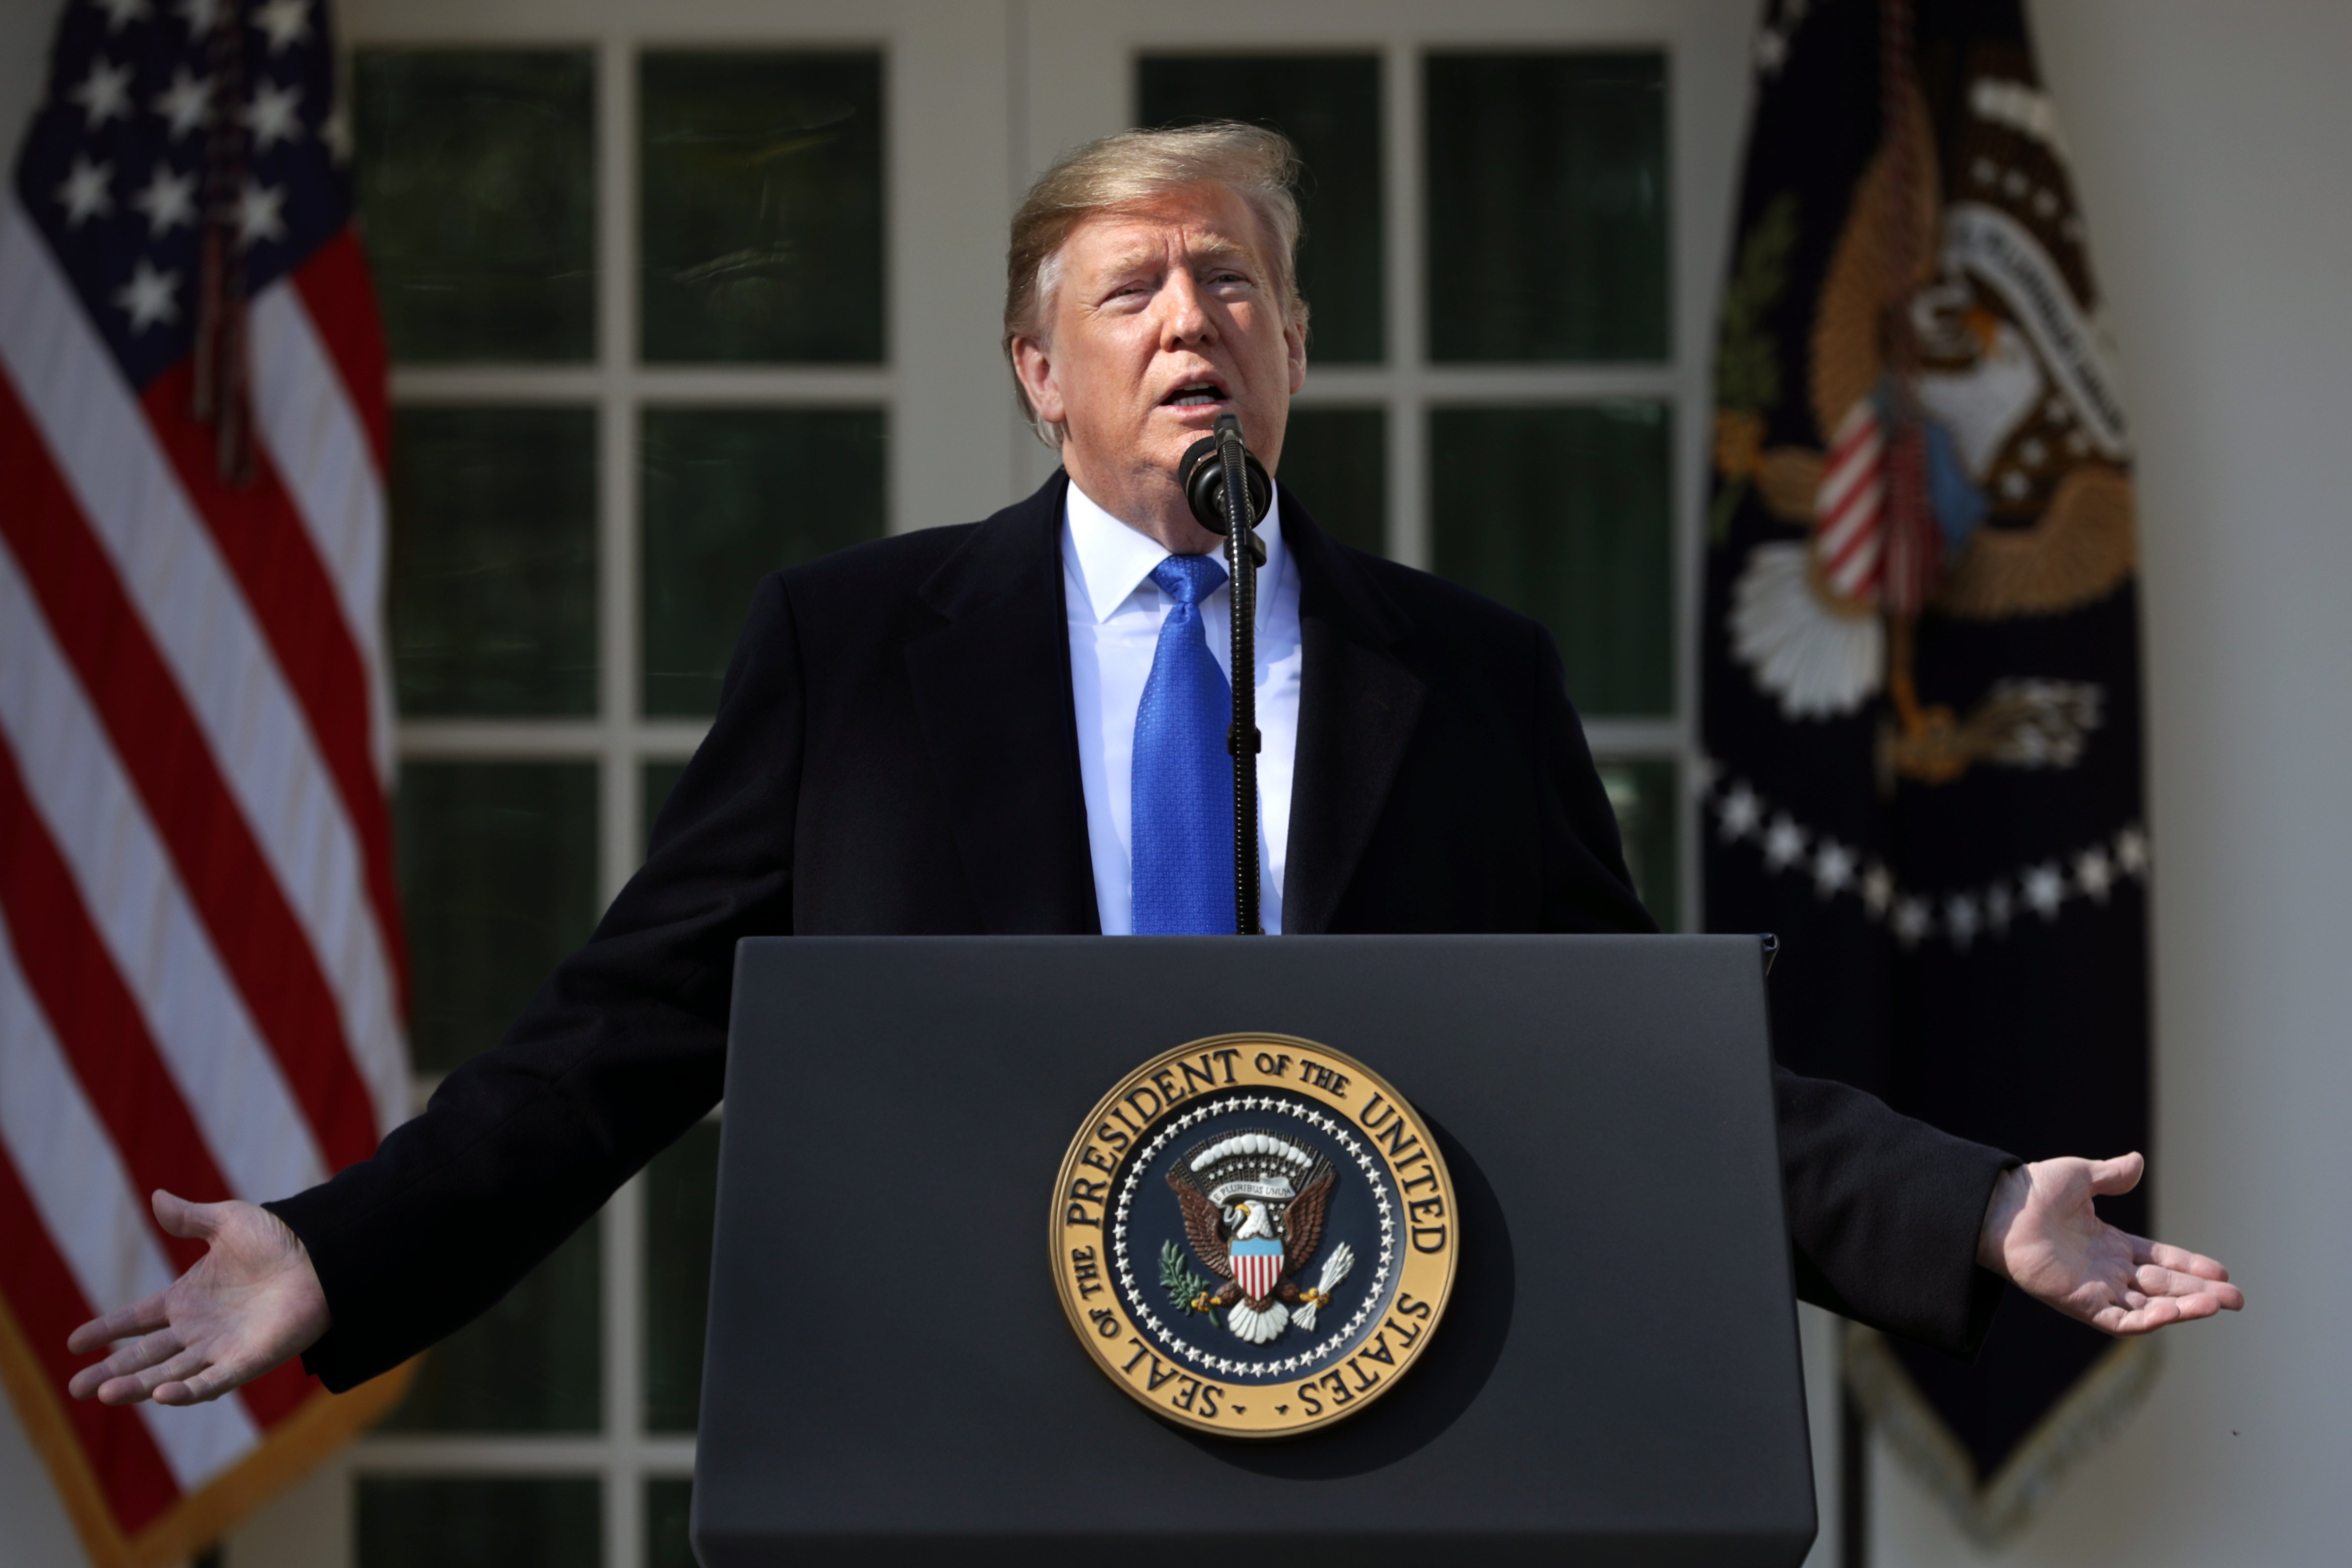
1033	362
1294	338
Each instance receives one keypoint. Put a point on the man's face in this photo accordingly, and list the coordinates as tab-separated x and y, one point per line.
1161	320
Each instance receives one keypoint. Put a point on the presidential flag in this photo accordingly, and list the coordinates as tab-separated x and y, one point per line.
201	974
1921	655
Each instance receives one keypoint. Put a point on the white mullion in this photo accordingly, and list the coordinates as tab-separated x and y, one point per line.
624	1319
402	1454
1408	443
755	385
547	740
619	596
1496	383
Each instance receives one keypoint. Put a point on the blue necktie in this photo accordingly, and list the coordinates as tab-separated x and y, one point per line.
1183	786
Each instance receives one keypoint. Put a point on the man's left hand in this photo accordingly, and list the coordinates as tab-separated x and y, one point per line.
2040	1232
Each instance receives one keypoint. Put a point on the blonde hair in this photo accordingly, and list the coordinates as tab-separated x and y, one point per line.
1133	170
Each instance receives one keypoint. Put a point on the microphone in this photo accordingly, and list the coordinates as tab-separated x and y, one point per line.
1203	483
1228	491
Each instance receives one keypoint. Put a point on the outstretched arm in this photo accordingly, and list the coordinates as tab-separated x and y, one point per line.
2041	1232
252	1302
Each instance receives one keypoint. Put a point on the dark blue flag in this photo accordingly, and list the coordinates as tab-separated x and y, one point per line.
1921	659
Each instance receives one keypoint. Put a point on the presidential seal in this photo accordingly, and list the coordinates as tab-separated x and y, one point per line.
1253	1235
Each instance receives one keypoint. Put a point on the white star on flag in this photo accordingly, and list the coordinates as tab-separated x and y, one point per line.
1742	811
272	115
121	12
1784	843
199	14
1878	889
149	297
185	102
2131	852
1832	868
84	193
1961	919
169	201
2045	889
1911	920
104	94
335	132
285	22
2093	875
259	214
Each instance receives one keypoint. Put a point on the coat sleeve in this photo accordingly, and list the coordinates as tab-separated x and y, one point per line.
1883	1211
620	1052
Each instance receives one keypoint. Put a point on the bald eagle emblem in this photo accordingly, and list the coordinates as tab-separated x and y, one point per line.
1253	1205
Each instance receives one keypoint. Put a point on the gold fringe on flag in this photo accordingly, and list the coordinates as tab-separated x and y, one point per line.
1993	1510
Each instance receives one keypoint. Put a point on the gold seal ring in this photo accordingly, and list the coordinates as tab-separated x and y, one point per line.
1254	1236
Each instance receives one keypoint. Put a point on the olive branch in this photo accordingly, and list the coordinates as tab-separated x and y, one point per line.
1184	1288
1746	359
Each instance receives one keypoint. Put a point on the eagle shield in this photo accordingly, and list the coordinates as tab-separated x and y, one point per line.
1257	1266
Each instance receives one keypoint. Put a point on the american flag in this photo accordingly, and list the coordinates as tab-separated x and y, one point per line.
201	973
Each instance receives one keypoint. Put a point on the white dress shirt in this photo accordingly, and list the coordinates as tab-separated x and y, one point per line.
1115	611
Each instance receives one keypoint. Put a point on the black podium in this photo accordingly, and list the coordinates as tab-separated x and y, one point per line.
889	1376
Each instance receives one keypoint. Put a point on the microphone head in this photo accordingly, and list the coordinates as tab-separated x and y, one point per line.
1201	475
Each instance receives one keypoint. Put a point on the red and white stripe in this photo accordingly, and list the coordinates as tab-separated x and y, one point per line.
1849	537
201	975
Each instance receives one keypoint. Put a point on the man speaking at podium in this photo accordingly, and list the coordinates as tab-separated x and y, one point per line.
1019	726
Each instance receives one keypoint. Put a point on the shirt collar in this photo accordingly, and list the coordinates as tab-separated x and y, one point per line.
1111	560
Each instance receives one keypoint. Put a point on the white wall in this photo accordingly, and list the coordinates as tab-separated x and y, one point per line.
2212	143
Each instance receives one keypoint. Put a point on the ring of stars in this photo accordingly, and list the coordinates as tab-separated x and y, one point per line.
1959	916
1357	1149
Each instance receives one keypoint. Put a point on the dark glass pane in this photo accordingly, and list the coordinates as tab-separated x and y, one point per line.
497	884
435	1522
1644	795
660	778
761	227
1336	461
1330	106
494	560
1565	514
530	1363
681	1199
668	1506
731	494
476	183
1547	182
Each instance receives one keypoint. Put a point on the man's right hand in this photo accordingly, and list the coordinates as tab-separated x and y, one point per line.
250	1302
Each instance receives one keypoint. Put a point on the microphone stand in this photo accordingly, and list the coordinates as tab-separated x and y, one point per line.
1229	490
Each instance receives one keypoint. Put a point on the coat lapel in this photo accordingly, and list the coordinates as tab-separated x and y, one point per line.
993	694
1357	704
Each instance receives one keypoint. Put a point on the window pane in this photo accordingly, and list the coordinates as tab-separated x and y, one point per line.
761	227
477	183
731	494
667	1503
1563	514
681	1200
419	1521
1336	461
530	1363
494	560
498	882
1330	105
660	778
1644	795
1547	181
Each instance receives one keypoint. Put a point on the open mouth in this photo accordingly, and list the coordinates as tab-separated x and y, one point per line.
1194	394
